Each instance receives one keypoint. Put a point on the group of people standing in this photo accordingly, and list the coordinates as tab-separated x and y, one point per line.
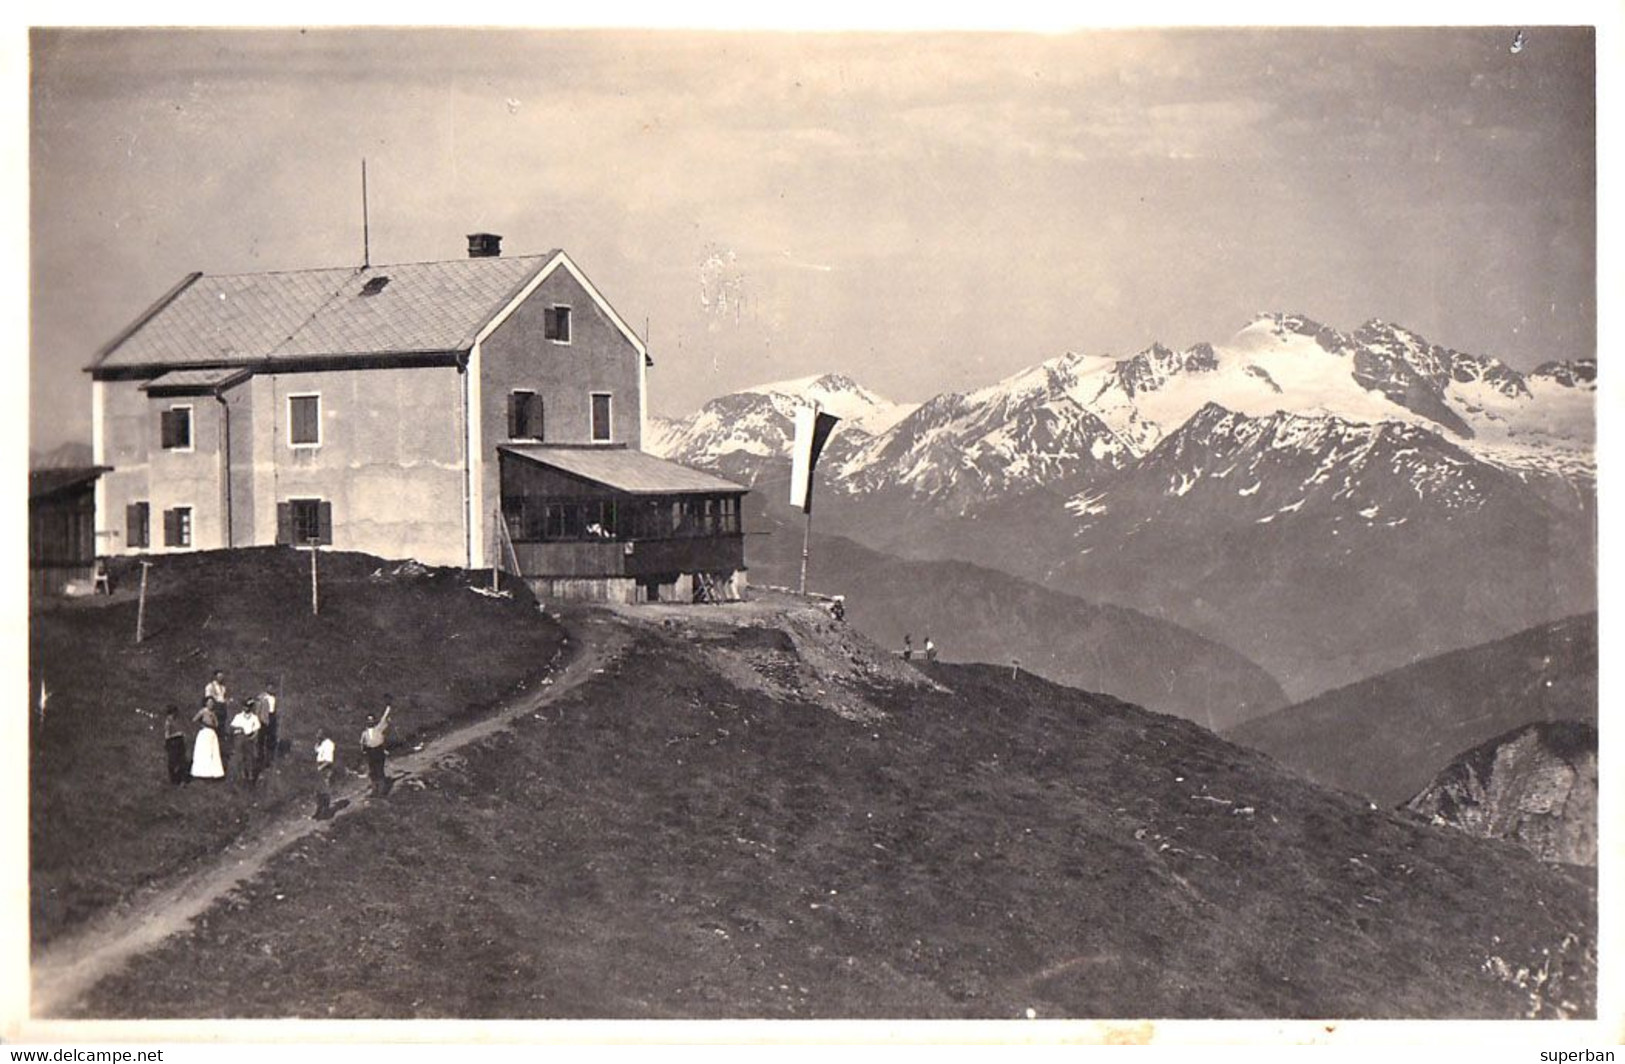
373	739
246	742
908	648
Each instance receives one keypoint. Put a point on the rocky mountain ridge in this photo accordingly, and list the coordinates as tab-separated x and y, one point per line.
1439	498
1535	785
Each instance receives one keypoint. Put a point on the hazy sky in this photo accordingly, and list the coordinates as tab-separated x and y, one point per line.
922	212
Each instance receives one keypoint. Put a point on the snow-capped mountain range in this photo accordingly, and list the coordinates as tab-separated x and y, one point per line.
1329	503
1081	414
759	422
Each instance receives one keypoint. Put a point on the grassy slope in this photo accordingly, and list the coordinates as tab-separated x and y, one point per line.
1389	735
104	818
663	843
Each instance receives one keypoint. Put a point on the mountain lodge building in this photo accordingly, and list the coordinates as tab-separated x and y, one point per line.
477	412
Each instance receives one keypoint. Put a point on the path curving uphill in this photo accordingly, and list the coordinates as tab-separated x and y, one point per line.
68	968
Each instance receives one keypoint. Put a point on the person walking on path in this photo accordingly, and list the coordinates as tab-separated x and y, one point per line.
908	647
265	708
245	727
175	746
372	747
324	774
930	650
206	764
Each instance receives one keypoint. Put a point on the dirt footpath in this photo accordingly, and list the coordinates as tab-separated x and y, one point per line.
71	966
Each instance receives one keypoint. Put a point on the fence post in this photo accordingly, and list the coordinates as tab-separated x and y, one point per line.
496	535
141	605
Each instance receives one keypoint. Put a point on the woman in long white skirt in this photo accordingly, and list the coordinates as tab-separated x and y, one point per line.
206	750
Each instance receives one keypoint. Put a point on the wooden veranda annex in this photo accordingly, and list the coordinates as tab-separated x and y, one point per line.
613	524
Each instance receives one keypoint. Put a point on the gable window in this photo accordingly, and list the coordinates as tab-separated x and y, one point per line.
178	527
600	417
175	428
304	420
137	521
557	326
524	416
302	522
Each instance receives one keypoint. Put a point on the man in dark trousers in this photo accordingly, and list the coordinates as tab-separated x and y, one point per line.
175	747
245	727
373	738
265	708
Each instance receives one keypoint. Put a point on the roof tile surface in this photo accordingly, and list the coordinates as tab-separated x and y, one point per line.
425	306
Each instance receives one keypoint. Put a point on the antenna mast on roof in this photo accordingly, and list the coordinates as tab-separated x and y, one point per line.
366	233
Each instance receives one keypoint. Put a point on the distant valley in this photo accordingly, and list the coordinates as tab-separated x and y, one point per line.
977	614
1389	735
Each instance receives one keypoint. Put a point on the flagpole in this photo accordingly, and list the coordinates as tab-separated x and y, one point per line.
806	547
812	430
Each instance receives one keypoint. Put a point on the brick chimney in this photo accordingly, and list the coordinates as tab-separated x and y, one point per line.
484	245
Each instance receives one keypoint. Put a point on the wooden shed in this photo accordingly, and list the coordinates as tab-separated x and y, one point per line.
61	527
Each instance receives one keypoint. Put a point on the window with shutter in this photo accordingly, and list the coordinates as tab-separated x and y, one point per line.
558	324
284	524
175	428
178	527
136	519
524	416
307	521
304	420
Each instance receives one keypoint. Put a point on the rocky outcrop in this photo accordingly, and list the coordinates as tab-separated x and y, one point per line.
1536	786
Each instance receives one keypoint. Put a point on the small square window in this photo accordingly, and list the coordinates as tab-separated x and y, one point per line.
305	420
558	324
600	417
175	425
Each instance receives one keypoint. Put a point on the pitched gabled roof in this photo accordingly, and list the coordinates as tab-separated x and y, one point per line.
298	314
623	469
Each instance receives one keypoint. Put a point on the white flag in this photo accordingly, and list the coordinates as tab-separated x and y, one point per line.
813	428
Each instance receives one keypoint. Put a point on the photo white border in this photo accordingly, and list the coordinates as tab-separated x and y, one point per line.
1510	1040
